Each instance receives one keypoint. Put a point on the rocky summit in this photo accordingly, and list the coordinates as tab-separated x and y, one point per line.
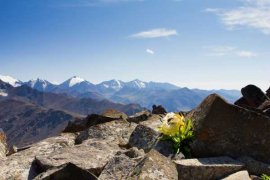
231	141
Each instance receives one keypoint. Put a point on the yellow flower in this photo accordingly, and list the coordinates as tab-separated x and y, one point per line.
171	124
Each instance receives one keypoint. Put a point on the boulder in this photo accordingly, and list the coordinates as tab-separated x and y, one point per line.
67	171
158	109
224	129
3	144
255	167
21	165
143	137
119	167
155	166
117	131
92	155
112	113
265	105
207	168
253	95
139	117
241	175
91	120
153	121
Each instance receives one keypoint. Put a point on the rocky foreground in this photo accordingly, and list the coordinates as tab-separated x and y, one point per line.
231	142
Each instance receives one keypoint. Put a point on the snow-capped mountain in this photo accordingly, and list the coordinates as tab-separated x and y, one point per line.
40	84
112	84
75	86
10	80
137	84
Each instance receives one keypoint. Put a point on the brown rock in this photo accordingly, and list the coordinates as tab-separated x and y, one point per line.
224	129
3	144
139	117
253	95
255	167
112	113
158	109
207	168
268	92
91	120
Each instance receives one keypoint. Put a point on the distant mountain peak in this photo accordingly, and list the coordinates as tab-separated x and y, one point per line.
38	82
137	84
75	80
10	80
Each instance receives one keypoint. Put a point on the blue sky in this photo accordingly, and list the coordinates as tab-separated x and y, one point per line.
209	44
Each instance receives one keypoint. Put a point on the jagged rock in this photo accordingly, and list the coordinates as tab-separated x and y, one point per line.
268	92
3	144
119	167
153	121
155	166
166	148
67	171
253	95
117	131
112	113
143	137
224	129
158	109
139	117
242	102
255	167
241	175
92	155
13	149
91	120
207	168
20	165
267	112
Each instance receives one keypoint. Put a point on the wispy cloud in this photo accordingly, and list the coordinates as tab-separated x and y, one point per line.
252	14
246	54
228	50
155	33
219	50
150	51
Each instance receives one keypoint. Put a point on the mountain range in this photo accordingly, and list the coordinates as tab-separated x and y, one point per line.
172	97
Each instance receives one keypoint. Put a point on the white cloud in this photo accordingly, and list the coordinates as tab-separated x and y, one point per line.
252	14
219	50
150	51
155	33
246	54
228	50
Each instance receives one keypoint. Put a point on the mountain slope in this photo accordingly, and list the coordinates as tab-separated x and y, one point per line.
26	123
11	81
40	84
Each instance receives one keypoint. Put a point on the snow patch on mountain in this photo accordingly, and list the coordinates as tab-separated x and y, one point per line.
10	80
3	93
75	80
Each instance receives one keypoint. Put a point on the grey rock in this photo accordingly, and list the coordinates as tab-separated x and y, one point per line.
118	131
153	121
92	155
155	166
112	113
20	165
139	117
207	168
67	171
224	129
143	137
119	167
255	167
241	175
